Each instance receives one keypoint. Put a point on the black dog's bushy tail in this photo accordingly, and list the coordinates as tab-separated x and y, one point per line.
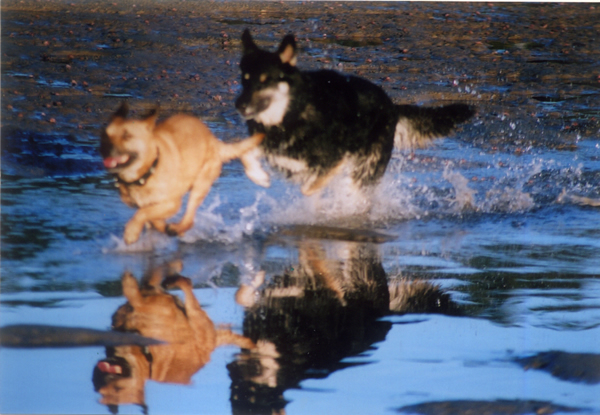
418	126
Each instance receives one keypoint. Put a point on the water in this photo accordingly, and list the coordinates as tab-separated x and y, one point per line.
478	219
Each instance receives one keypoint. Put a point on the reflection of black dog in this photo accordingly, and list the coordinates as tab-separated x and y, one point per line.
318	123
308	320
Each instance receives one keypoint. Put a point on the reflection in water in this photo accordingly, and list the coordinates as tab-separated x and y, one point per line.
418	296
306	321
497	407
572	367
152	312
38	335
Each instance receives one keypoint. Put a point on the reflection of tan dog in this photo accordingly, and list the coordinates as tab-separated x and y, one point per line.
189	334
157	164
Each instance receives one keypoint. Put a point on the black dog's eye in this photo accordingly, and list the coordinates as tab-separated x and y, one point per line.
263	77
246	76
281	74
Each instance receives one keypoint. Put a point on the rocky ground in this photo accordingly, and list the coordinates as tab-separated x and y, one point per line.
67	65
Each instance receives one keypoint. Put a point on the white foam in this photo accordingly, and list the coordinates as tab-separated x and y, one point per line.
505	195
464	196
210	225
150	240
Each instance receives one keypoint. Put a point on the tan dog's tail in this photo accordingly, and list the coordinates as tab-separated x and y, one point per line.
230	151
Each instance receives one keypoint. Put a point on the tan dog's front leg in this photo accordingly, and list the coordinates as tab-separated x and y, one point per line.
152	213
199	320
192	306
131	289
200	189
160	225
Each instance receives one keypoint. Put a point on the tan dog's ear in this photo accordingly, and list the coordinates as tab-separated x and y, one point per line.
150	118
287	50
122	112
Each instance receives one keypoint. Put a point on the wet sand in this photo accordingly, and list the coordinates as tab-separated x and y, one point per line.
67	65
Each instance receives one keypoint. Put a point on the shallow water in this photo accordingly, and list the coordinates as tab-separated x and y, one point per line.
480	213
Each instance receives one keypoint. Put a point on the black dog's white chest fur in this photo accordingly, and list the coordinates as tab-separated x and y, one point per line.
320	123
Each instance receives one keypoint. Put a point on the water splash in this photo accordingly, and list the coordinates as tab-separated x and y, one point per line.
149	241
505	195
210	226
398	197
464	196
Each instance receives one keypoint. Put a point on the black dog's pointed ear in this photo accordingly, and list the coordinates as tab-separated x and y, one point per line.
287	50
248	44
123	111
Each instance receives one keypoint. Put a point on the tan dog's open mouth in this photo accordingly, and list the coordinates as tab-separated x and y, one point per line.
106	367
119	161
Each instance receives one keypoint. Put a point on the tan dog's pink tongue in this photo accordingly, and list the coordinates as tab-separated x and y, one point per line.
108	368
112	162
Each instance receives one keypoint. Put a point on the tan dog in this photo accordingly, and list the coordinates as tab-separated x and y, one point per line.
189	335
157	164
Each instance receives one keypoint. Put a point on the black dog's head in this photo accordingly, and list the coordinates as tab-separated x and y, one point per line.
266	79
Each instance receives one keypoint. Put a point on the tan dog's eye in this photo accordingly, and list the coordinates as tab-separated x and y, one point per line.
246	76
126	135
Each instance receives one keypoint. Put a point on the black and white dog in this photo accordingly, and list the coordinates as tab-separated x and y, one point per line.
320	123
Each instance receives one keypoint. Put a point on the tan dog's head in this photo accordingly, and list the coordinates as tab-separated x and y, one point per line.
126	144
121	379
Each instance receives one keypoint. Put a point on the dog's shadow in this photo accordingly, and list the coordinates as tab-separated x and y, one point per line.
188	335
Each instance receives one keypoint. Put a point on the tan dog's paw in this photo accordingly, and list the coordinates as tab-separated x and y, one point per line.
131	289
171	230
132	232
160	225
174	229
129	282
178	229
177	281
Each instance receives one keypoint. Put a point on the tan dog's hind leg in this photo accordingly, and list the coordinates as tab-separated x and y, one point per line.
152	213
248	153
207	176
